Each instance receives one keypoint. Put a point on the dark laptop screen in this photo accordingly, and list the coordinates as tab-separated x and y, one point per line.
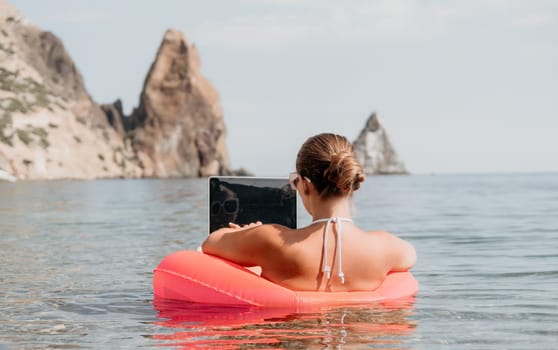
243	200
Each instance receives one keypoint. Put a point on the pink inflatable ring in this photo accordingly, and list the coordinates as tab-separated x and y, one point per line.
196	277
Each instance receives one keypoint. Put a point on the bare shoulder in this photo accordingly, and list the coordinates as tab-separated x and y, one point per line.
381	234
269	233
272	228
401	254
389	237
277	233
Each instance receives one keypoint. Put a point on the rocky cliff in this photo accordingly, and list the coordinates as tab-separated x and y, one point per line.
374	150
51	128
178	128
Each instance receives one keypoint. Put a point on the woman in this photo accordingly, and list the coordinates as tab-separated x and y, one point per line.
332	253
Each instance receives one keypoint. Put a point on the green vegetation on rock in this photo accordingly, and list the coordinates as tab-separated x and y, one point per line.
10	81
7	50
5	122
28	136
81	120
43	136
10	105
24	136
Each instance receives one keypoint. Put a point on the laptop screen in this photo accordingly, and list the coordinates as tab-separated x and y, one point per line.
244	200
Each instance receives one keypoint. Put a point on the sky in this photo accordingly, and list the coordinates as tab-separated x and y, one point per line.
460	86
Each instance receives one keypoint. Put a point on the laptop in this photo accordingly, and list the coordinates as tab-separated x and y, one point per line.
244	199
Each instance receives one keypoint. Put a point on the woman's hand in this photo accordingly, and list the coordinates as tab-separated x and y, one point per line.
250	225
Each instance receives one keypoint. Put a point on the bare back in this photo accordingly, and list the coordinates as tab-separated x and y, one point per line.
295	258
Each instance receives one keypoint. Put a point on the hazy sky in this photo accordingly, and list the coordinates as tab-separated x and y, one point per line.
461	86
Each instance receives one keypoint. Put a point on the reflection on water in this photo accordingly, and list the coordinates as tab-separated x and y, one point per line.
206	326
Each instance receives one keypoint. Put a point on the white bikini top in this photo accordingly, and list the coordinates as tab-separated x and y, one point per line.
326	268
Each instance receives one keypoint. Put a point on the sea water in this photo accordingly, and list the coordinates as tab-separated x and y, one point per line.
76	261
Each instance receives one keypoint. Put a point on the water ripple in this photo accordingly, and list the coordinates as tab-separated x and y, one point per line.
76	260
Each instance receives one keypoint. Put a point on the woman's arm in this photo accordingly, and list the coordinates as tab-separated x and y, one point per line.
400	254
405	257
244	245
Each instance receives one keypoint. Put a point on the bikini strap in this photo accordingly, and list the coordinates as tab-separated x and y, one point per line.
326	268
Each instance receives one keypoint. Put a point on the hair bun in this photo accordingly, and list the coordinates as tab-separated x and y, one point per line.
360	177
344	172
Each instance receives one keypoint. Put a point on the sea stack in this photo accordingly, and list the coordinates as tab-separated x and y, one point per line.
178	128
374	150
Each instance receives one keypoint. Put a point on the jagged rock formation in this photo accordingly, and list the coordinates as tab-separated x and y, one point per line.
49	125
374	150
51	128
178	128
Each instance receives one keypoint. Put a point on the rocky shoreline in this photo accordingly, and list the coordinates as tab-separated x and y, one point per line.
51	128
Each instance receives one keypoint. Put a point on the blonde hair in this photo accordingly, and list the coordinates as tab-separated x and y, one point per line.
329	161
